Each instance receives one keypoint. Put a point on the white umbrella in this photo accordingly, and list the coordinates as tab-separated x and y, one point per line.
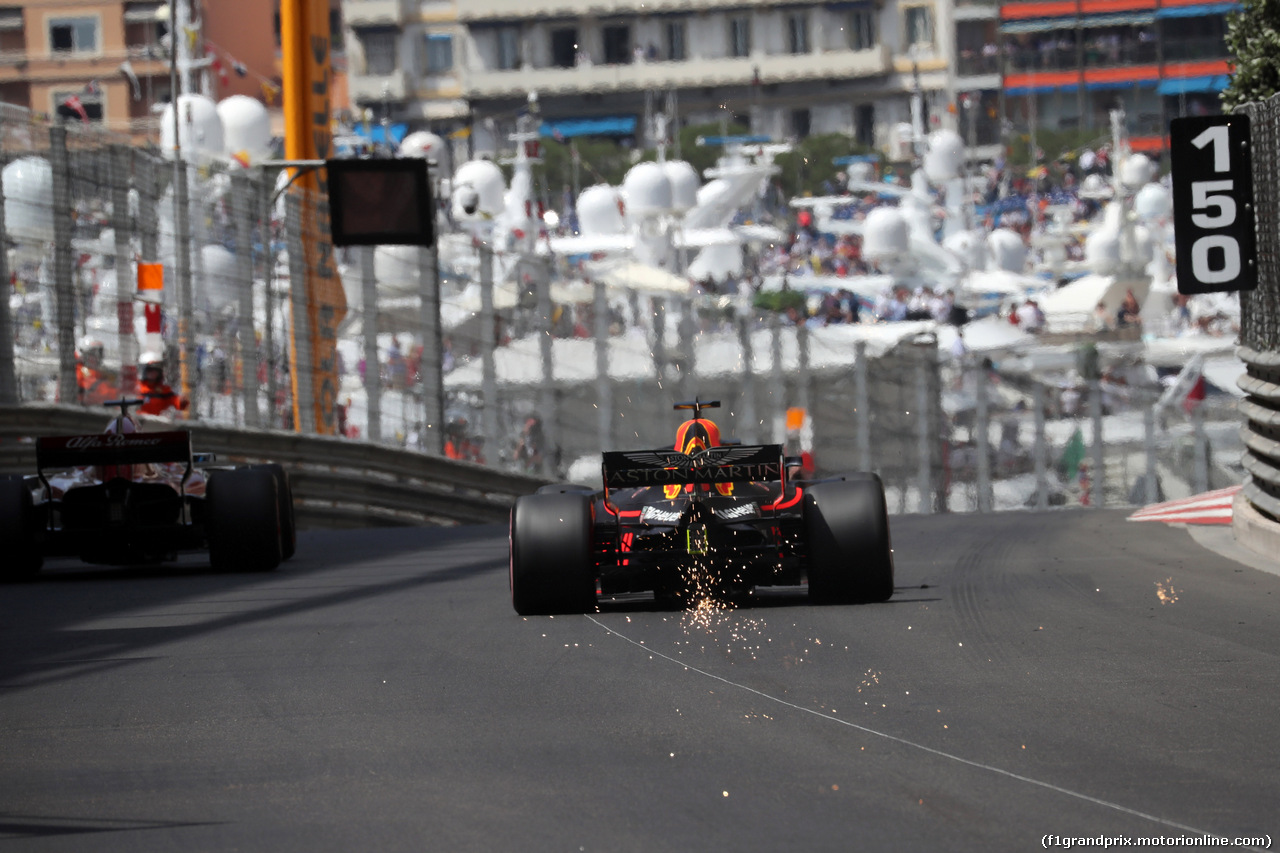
636	276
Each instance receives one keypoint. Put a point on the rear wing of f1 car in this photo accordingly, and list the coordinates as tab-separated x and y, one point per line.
635	469
138	448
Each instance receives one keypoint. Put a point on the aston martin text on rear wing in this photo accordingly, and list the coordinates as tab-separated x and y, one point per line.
626	469
71	451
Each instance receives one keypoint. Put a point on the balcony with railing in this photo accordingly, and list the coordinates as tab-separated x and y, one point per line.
978	62
376	88
1192	49
1046	55
374	13
976	10
644	75
1103	52
1052	54
493	10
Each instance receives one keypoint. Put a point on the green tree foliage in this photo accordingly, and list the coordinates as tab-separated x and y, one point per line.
779	300
601	160
606	160
1056	144
809	164
1253	38
703	157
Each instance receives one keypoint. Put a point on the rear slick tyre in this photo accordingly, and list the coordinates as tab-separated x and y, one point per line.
284	508
19	541
243	520
551	566
850	552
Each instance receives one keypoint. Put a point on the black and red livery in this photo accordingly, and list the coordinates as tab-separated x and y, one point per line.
705	519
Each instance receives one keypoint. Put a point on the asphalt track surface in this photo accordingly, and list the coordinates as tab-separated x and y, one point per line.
1067	673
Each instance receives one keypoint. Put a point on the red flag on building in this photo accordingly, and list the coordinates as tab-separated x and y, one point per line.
72	105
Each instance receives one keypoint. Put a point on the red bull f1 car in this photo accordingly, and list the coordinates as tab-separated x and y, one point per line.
705	519
125	497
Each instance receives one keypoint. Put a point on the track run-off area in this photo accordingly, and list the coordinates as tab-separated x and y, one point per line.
1063	674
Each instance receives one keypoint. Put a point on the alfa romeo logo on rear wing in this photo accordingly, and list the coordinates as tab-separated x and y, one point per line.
113	449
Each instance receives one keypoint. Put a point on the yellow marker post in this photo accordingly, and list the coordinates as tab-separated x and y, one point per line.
307	76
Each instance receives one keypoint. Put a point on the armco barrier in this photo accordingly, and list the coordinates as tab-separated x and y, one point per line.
336	482
1260	528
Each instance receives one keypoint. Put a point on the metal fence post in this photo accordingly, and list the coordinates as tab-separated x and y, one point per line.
369	325
64	290
1098	474
488	355
8	374
300	351
862	407
145	181
198	286
686	329
1039	448
659	306
121	171
604	385
242	213
182	271
803	376
1201	445
747	408
430	370
982	439
546	394
777	382
264	191
924	446
1152	483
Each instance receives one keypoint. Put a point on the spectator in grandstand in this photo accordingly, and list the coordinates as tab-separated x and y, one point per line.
1128	313
1101	318
1031	317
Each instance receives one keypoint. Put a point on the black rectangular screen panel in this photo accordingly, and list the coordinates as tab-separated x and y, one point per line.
380	203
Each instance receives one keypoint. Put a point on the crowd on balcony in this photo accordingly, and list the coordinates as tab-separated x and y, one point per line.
1060	50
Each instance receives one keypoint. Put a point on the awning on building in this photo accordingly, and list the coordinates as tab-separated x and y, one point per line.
1038	25
1100	85
605	126
1039	90
376	133
1197	10
1181	86
1119	19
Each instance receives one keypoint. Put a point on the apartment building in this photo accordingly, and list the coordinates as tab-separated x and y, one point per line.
106	53
785	68
978	75
1066	63
405	65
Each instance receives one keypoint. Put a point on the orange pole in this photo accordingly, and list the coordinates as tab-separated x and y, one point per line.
307	76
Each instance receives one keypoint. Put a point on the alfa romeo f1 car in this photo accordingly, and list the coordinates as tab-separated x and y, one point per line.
704	520
125	497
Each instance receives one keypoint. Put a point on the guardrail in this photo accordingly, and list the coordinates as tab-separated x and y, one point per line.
337	482
1261	432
